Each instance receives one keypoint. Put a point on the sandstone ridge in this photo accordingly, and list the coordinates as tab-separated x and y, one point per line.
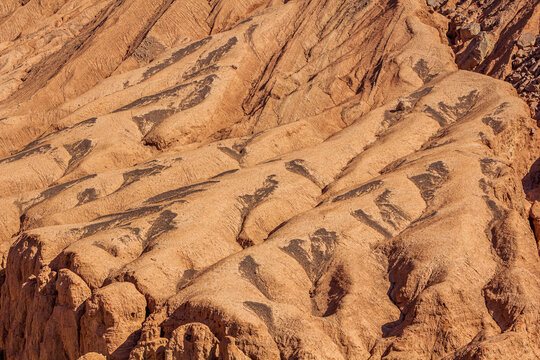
264	179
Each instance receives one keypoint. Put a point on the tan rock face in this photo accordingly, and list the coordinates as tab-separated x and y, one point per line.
111	320
263	180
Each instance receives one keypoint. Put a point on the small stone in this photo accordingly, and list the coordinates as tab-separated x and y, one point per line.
469	31
534	65
520	54
476	52
515	77
434	3
526	40
520	82
482	46
532	87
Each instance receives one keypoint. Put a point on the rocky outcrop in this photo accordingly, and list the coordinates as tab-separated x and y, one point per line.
499	38
262	180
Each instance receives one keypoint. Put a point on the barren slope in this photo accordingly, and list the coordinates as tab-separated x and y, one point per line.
262	179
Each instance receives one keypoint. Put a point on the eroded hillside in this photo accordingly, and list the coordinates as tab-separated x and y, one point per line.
266	179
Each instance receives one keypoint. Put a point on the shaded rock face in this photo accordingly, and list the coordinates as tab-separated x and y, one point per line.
265	179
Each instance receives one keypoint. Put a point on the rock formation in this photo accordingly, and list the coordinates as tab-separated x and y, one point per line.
499	38
269	179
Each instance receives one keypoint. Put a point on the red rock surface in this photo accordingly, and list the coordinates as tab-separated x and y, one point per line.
265	179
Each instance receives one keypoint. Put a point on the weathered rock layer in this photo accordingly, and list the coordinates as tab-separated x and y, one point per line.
262	179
